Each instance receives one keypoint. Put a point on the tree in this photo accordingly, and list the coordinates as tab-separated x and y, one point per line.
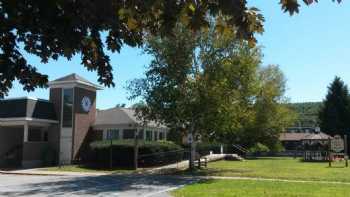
204	83
272	114
53	29
335	114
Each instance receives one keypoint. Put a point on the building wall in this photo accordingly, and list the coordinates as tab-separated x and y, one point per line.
82	120
54	130
33	153
9	138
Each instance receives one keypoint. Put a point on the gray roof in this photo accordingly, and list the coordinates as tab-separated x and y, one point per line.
27	108
303	136
121	116
317	136
74	78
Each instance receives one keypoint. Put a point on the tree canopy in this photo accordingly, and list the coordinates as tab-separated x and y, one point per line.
213	85
64	28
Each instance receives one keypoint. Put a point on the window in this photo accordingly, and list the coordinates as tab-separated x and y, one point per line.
112	134
67	108
149	135
129	133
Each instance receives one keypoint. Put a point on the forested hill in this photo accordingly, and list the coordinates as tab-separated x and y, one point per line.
307	108
307	112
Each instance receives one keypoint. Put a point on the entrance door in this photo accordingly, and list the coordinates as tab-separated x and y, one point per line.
66	145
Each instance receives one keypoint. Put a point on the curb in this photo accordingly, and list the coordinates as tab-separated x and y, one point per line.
30	174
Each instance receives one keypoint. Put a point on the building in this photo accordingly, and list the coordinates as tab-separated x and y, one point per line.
65	124
311	145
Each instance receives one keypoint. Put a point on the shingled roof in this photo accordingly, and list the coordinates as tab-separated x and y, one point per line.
120	116
303	136
73	78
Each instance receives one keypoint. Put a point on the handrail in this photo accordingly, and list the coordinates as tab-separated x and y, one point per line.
160	153
240	148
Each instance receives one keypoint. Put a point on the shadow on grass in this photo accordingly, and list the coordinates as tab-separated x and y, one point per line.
213	172
272	158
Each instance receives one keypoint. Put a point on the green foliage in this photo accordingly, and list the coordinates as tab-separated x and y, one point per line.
259	148
150	152
307	113
335	114
215	85
204	81
41	28
271	115
277	147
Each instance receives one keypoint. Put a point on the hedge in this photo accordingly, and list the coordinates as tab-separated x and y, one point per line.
151	153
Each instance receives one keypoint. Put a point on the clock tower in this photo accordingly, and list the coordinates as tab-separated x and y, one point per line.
74	99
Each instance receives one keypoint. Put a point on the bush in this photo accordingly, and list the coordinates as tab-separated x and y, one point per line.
259	148
277	147
151	153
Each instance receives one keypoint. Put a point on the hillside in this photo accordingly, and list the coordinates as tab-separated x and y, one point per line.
307	112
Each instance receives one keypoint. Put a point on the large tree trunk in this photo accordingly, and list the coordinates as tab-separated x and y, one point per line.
192	149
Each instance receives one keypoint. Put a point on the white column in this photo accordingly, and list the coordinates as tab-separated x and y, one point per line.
165	135
25	132
144	134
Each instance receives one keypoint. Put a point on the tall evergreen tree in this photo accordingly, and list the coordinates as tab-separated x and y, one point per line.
335	114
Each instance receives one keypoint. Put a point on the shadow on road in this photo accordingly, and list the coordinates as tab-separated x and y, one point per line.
97	185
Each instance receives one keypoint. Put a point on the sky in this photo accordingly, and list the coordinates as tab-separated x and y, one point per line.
311	48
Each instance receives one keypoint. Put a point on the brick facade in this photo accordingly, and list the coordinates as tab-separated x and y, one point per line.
82	120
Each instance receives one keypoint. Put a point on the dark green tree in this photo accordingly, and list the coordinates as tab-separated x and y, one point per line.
51	29
334	115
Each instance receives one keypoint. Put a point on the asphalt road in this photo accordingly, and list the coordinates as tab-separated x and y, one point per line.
118	185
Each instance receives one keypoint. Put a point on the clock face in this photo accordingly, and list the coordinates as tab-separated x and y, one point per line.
86	103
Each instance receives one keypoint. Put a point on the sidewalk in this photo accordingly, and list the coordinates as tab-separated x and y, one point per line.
158	170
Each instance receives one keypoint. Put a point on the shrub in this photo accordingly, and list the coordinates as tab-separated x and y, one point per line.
259	148
277	147
151	153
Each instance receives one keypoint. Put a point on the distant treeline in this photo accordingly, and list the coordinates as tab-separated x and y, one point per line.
307	112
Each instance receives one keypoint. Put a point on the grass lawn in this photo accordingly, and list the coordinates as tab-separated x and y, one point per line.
239	188
281	168
77	168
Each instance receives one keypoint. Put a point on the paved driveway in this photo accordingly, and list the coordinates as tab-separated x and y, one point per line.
118	185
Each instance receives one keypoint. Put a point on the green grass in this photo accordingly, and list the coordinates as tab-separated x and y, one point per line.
281	168
239	188
77	168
